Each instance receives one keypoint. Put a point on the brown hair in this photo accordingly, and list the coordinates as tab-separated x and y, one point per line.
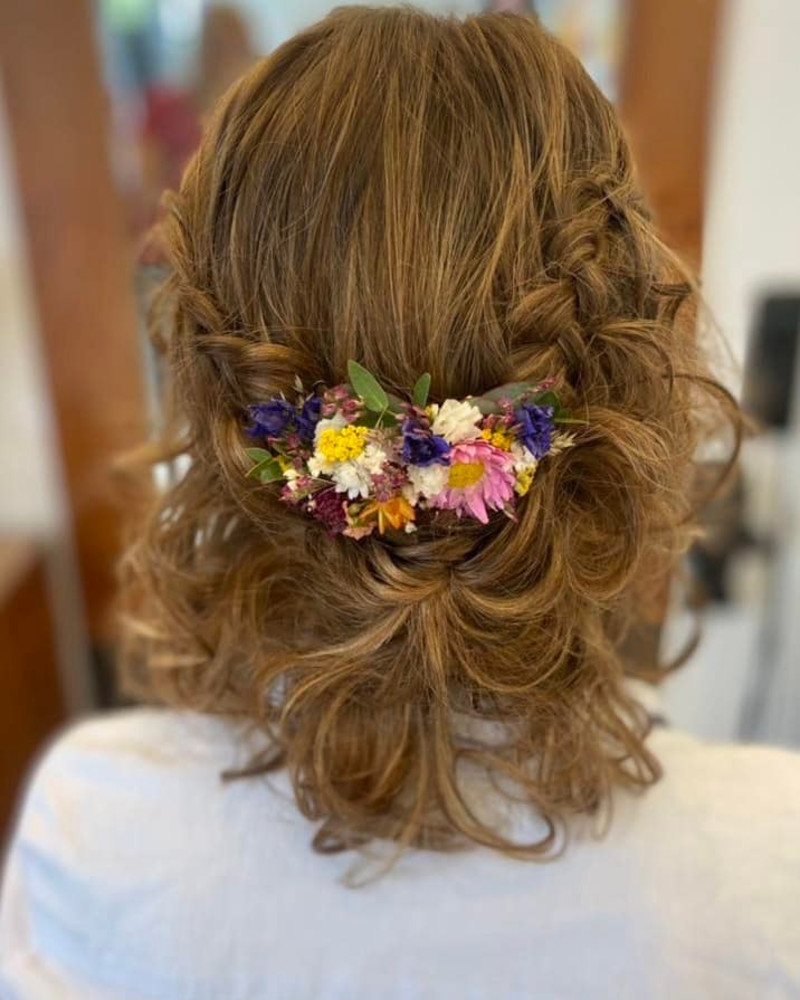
421	194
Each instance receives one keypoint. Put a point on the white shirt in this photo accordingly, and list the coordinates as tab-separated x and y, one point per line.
136	874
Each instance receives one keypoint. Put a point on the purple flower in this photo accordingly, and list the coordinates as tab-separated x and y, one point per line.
535	427
328	507
270	419
389	484
420	447
308	417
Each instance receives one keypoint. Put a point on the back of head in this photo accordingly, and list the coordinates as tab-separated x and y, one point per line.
420	194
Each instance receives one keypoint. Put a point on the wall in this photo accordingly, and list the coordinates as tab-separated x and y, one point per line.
753	210
745	680
29	499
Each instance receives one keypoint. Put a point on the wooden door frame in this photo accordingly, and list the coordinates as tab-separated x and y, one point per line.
80	262
665	102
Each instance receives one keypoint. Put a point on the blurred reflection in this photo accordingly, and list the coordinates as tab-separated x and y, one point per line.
165	73
173	116
167	61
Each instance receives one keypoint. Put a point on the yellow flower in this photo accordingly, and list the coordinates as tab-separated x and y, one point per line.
524	480
396	513
342	444
499	437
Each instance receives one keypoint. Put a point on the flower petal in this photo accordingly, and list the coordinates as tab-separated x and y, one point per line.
477	507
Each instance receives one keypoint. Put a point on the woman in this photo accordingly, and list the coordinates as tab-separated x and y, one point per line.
439	390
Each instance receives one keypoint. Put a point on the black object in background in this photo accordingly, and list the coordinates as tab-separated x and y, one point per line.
770	370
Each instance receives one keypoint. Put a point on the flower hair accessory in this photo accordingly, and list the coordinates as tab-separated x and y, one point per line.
358	459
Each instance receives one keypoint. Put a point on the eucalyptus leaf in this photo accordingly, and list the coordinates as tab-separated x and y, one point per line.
547	399
511	391
485	404
419	397
367	387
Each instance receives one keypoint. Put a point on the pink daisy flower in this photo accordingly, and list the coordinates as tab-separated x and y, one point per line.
481	478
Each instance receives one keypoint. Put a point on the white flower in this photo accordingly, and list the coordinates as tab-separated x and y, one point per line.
425	481
373	458
355	477
352	479
524	460
456	421
319	466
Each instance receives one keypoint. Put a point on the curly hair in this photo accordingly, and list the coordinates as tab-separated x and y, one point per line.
442	195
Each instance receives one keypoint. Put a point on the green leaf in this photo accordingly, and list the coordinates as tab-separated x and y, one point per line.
384	419
258	454
419	397
547	399
270	472
267	471
367	387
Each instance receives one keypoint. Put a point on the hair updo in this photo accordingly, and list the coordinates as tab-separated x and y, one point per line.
457	197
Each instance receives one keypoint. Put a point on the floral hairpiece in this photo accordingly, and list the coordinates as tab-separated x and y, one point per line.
357	458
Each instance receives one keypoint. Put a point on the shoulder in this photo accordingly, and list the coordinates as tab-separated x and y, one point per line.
136	764
121	757
133	751
153	735
112	815
723	816
764	775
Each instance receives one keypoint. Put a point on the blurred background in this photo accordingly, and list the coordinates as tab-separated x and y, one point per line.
101	105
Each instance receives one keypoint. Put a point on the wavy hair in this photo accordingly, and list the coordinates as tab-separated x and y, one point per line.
421	194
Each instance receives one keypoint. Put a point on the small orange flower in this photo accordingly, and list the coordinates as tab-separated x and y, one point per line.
395	513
